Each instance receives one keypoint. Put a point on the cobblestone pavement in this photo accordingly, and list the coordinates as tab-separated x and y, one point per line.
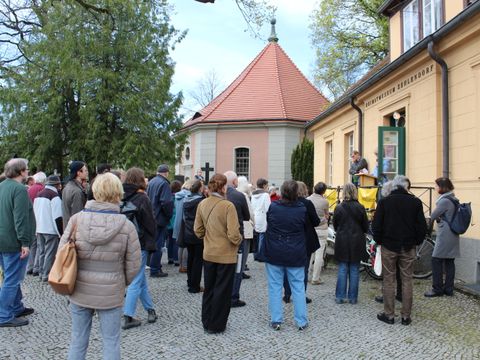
445	328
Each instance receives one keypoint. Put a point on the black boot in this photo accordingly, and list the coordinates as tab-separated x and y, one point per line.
130	322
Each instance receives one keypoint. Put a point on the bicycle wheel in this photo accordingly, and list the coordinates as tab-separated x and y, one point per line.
422	266
371	251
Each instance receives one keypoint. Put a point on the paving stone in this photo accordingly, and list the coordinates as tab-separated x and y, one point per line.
442	328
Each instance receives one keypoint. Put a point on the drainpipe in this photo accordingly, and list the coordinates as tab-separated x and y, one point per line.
360	125
445	110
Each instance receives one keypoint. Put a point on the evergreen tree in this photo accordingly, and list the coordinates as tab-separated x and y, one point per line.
93	85
302	162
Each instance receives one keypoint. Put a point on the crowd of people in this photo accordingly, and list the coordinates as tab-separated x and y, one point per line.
209	229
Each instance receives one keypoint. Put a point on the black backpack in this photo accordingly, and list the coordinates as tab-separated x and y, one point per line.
130	210
462	217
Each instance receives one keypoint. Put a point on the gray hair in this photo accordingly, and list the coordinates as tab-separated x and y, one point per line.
387	188
40	177
401	181
231	177
302	189
14	167
350	192
243	185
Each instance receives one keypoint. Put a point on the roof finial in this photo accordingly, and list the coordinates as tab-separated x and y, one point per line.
273	36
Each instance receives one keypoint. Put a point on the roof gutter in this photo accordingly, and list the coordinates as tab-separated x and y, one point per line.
458	20
445	111
360	124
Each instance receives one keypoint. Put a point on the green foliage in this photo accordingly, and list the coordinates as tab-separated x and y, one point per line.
302	162
350	37
93	86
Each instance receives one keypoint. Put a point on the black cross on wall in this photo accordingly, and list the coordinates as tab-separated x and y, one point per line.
207	170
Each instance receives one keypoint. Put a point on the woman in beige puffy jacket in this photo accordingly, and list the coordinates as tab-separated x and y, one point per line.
108	259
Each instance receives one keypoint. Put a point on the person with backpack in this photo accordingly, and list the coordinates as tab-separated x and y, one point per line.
193	243
447	246
137	208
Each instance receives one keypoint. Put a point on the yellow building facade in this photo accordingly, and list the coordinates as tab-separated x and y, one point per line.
410	84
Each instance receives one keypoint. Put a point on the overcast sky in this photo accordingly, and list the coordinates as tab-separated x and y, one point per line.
218	39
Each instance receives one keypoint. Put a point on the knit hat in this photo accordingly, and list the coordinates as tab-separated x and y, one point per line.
163	168
74	167
53	180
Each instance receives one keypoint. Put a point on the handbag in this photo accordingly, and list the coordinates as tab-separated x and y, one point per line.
377	266
63	275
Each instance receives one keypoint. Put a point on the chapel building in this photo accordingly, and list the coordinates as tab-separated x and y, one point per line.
253	126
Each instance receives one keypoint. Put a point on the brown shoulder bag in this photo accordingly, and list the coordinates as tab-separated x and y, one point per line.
63	275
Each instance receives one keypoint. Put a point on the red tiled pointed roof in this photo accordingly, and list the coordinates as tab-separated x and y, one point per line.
270	88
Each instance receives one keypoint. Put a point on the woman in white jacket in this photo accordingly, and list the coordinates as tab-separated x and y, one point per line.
260	204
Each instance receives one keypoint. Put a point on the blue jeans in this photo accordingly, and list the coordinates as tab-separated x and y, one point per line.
295	276
259	255
286	285
347	272
138	289
10	292
110	320
156	259
172	247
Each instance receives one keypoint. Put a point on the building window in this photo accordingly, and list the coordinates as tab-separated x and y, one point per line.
411	22
187	153
420	19
329	163
349	147
432	16
242	162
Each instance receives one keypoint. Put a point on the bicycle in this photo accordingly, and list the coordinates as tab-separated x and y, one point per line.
422	266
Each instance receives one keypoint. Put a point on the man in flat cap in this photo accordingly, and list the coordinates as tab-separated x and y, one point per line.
160	195
74	194
47	207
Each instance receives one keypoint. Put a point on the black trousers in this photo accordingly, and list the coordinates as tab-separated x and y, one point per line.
218	280
438	266
194	266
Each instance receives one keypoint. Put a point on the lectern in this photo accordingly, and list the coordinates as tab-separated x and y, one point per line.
366	180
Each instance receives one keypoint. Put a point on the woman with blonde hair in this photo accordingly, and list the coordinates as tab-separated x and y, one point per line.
108	260
217	224
350	223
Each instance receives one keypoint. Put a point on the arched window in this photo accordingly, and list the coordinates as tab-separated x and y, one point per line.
187	153
242	161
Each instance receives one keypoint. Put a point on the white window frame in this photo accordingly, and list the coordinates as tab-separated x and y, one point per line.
329	162
235	160
411	24
435	15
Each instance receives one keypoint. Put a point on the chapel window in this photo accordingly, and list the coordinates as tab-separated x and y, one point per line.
242	161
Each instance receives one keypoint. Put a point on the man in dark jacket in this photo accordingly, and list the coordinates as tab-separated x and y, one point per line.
160	195
358	165
398	226
74	195
238	199
17	230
